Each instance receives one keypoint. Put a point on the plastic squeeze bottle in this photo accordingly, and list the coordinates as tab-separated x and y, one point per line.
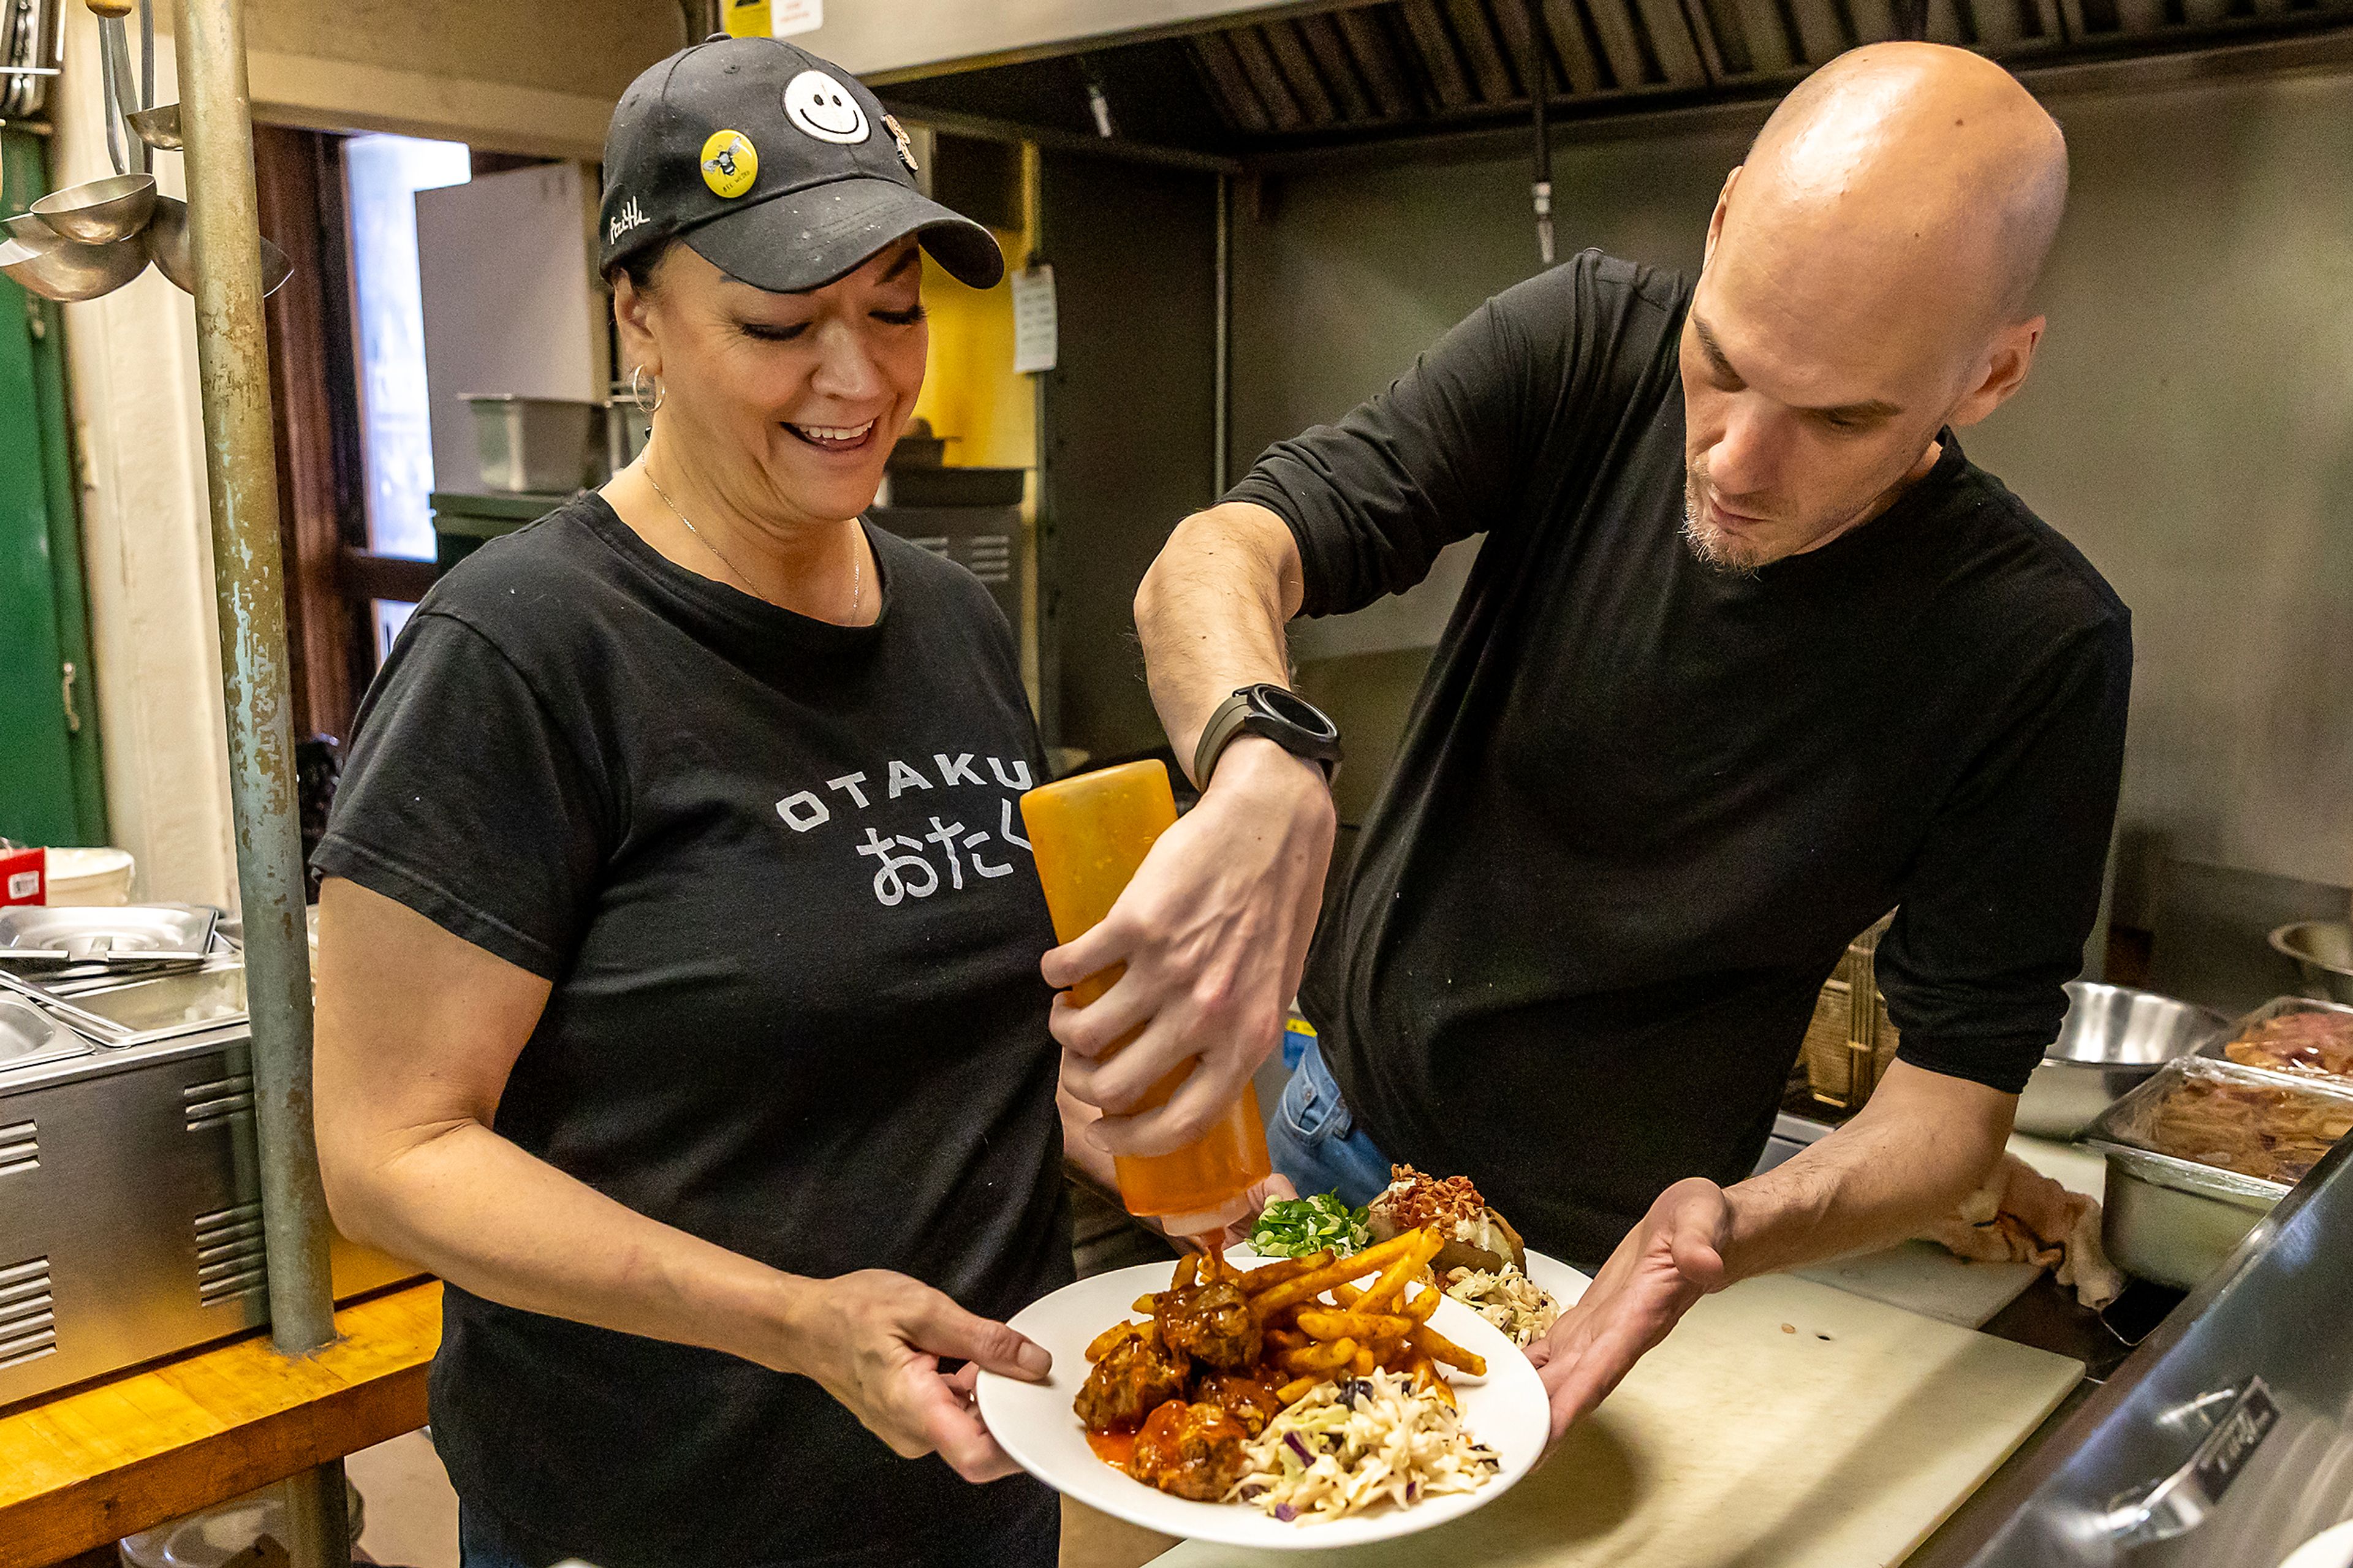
1088	834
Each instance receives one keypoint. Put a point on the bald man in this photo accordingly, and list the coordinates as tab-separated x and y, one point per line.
1751	655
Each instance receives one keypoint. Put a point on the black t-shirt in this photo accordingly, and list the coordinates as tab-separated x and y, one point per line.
1641	806
776	871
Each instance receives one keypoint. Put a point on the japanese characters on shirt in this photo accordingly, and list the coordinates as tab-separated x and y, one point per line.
919	832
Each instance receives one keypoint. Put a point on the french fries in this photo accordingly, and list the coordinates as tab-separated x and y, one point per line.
1297	1388
1104	1344
1316	1281
1358	1324
1426	1243
1318	1358
1268	1276
1439	1348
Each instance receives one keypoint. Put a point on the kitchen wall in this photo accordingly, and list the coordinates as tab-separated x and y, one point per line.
2190	424
130	359
492	76
511	78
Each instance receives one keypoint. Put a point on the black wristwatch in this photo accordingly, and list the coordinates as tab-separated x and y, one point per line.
1276	713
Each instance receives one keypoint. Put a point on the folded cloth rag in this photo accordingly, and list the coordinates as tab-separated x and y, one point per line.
2022	1215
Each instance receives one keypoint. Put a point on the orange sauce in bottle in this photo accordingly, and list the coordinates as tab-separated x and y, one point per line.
1088	834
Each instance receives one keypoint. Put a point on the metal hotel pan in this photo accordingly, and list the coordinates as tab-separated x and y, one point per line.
28	1037
2216	1048
2174	1220
128	933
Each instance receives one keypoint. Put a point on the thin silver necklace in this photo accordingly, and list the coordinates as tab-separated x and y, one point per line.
857	566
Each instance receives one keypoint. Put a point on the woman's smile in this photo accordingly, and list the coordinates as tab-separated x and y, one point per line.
835	437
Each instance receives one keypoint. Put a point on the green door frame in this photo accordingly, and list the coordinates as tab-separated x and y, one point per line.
52	790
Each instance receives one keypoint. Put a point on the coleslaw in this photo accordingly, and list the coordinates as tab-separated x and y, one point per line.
1512	1302
1344	1447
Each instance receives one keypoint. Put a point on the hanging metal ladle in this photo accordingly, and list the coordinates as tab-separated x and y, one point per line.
99	212
91	238
69	272
167	239
158	127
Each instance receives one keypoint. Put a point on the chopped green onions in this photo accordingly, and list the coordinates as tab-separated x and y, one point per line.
1293	1228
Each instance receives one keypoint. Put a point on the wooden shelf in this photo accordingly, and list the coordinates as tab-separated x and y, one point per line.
99	1462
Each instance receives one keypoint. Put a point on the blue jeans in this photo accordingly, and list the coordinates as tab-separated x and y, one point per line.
1312	1139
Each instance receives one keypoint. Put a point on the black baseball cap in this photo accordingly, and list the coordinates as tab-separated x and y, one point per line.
777	167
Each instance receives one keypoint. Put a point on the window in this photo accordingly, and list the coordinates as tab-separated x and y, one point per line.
382	176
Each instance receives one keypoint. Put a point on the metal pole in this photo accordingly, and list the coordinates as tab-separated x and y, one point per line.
242	475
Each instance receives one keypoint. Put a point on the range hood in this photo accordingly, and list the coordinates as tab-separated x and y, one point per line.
885	40
1273	85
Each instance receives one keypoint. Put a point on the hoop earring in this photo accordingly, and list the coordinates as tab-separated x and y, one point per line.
638	392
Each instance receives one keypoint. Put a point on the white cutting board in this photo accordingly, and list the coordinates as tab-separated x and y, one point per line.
1841	1444
1922	1277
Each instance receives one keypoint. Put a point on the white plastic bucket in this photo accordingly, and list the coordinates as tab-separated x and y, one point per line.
86	878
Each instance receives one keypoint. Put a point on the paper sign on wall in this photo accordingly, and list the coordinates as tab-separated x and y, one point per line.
774	19
787	17
1034	341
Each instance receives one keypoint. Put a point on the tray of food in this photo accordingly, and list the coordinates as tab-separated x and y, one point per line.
2231	1117
2294	1036
1341	1396
2199	1153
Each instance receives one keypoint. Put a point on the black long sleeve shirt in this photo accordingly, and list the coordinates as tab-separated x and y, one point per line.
1641	806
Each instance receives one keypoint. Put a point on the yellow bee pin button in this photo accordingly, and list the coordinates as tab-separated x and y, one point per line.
730	162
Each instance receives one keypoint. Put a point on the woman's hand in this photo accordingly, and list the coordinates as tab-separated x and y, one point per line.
875	1339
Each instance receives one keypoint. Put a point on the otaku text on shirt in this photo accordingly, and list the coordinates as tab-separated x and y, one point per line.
931	848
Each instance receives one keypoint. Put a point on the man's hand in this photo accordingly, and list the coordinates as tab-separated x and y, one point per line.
1213	931
1666	1263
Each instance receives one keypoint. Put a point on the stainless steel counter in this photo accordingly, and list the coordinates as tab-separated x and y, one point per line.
2224	1440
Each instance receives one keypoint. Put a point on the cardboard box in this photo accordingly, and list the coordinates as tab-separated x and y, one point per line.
23	877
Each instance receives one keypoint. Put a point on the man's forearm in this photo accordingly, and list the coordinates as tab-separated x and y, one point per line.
1211	612
1922	1144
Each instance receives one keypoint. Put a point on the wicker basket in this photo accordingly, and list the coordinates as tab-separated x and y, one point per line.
1850	1044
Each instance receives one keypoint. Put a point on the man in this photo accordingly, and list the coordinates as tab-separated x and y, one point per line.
1751	655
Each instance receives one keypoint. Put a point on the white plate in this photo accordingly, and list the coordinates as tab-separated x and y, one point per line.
1506	1410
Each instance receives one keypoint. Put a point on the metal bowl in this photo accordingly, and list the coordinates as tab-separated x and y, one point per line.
2113	1039
71	273
167	239
2322	951
99	212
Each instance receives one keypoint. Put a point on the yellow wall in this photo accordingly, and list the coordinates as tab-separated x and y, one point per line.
971	392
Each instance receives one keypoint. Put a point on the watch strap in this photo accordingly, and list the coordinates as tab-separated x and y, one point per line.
1250	710
1225	722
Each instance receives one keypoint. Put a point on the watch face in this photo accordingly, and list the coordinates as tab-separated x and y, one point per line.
1297	710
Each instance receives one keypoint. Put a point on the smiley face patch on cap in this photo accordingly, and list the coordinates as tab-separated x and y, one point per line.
730	162
824	109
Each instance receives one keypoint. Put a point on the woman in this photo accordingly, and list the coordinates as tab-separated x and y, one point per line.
679	996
